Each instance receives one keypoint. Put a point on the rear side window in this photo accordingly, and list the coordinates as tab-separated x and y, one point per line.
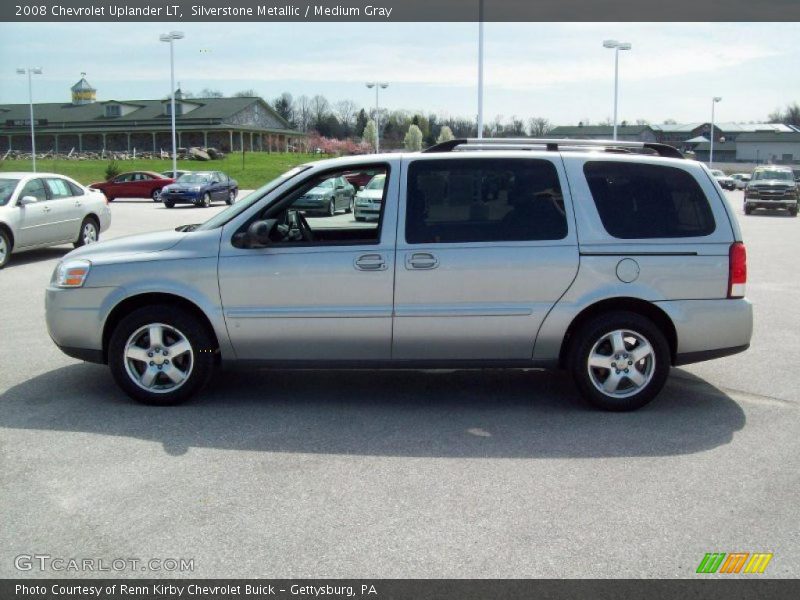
484	200
640	201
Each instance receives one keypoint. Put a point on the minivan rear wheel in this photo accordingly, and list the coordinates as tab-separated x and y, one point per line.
160	355
620	361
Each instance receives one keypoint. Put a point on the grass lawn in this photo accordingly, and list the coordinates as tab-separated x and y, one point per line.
259	167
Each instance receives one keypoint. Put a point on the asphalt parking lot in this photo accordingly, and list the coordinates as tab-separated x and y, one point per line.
395	474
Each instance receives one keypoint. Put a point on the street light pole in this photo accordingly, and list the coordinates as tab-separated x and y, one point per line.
480	70
714	101
30	72
378	85
171	37
617	46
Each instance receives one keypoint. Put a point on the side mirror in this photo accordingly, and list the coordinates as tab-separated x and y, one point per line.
258	233
25	200
215	182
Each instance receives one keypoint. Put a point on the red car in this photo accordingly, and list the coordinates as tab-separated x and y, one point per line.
136	184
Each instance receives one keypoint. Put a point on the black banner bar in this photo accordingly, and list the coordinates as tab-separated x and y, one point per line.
399	10
735	588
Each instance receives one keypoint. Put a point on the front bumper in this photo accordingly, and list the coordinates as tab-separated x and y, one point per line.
180	197
763	203
74	320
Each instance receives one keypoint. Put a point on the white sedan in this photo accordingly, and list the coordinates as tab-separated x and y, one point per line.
45	209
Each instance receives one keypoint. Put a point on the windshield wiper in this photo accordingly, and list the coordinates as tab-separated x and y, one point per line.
188	227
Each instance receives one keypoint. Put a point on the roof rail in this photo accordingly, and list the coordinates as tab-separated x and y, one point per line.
552	145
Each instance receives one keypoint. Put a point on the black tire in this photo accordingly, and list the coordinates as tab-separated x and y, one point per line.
586	379
156	195
350	206
201	342
793	211
5	248
169	203
331	207
231	197
747	210
84	237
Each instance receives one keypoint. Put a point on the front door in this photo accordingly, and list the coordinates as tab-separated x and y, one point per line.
485	249
35	219
321	289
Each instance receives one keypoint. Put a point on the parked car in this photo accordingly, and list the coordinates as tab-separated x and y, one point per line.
136	184
175	174
741	180
359	179
725	182
614	266
369	200
773	187
330	196
46	209
201	188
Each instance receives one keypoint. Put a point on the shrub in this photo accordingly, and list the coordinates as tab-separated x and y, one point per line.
112	169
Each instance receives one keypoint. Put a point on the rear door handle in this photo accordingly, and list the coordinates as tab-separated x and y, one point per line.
46	209
370	262
421	260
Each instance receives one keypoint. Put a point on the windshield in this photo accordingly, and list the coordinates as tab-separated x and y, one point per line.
320	189
7	187
774	174
194	178
240	206
376	183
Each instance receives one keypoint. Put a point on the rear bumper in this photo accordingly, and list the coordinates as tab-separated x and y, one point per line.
708	329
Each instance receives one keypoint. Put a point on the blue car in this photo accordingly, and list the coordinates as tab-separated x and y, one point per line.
200	188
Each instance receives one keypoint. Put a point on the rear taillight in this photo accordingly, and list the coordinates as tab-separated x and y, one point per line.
737	270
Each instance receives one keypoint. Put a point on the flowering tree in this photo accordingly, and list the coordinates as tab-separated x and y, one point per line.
413	139
326	145
445	135
370	135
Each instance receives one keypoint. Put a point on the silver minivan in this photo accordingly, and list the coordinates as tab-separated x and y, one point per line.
614	260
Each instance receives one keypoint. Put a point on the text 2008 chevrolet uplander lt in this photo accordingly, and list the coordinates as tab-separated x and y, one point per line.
613	260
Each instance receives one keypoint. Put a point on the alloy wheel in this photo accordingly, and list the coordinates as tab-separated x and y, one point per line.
158	358
621	363
89	233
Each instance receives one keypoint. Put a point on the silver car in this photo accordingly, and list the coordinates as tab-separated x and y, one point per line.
524	254
46	209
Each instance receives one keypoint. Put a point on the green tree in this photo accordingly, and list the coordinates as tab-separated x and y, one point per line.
413	139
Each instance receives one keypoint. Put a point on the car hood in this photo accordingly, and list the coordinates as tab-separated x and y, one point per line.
768	183
185	186
370	194
128	246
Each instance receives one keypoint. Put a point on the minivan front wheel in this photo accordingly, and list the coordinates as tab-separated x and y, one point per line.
161	355
620	361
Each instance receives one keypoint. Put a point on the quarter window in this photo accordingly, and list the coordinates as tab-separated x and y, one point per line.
484	200
58	188
643	201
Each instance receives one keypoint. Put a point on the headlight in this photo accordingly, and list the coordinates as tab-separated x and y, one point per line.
71	273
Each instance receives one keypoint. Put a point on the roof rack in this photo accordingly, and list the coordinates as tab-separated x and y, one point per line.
553	145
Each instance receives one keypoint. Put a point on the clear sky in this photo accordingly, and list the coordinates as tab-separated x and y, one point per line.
555	70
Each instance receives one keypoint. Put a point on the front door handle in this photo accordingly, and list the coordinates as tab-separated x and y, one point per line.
370	262
46	209
421	260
